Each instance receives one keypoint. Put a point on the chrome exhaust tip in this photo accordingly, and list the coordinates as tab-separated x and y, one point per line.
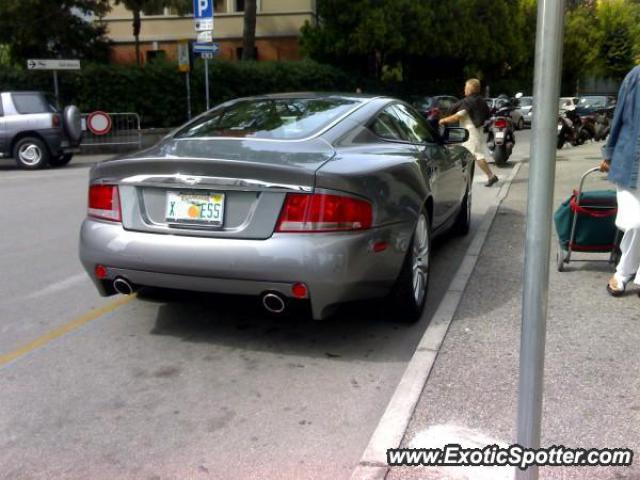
122	286
273	302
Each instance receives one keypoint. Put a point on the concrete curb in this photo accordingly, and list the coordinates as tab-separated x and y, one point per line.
395	420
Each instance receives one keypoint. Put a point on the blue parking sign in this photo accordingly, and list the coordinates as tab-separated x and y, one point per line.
203	14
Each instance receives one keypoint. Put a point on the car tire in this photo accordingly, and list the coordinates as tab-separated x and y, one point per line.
585	136
520	125
31	153
62	160
463	220
410	291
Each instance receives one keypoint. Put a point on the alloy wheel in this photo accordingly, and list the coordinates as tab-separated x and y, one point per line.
420	259
30	154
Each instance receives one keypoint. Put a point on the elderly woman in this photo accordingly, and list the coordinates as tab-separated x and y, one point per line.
471	113
622	161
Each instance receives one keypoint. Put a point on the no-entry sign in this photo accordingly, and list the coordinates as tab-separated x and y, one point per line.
99	123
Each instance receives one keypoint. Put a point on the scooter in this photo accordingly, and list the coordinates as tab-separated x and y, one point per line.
574	129
602	126
500	136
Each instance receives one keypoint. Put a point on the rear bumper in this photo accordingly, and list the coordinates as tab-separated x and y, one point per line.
58	142
336	267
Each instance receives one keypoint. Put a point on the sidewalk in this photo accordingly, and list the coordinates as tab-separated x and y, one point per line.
592	363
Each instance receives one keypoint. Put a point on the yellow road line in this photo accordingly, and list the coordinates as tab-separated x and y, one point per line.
64	329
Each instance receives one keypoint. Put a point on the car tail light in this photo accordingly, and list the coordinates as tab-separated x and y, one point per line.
101	272
104	202
323	213
55	121
299	290
500	123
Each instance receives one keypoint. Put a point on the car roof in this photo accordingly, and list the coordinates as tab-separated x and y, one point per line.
288	95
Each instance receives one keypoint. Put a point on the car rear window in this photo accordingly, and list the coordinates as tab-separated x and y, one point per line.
593	102
26	103
423	103
269	118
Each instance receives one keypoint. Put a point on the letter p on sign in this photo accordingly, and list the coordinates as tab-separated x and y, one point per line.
202	7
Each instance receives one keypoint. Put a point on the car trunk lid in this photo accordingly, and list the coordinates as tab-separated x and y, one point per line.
212	188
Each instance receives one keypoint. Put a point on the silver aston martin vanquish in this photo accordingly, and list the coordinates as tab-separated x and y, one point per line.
325	198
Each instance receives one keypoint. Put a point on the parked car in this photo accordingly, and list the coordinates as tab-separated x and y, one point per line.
319	197
568	103
525	105
496	104
434	108
35	133
592	104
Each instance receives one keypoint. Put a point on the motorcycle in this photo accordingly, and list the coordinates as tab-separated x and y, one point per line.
602	126
500	136
574	129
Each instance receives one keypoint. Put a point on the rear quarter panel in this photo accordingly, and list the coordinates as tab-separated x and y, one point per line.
388	175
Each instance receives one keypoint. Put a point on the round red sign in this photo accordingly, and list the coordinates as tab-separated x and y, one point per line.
99	123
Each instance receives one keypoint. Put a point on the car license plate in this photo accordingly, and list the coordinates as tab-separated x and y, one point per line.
499	135
195	208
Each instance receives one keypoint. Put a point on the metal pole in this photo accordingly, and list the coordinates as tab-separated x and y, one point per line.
55	88
206	79
548	63
188	96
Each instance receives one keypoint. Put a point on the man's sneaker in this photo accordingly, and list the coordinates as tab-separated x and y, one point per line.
491	181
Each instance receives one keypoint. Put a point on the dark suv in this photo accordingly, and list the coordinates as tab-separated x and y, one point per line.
35	133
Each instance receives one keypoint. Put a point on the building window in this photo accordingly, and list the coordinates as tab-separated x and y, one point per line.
156	55
154	10
239	5
239	51
220	6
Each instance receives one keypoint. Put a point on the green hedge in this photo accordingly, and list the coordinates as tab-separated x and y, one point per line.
157	91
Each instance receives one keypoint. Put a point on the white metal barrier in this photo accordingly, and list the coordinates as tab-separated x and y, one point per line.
123	130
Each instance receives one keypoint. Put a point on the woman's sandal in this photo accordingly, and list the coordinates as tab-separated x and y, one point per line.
612	288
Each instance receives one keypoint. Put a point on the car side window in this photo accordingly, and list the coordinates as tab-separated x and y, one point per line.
384	126
412	125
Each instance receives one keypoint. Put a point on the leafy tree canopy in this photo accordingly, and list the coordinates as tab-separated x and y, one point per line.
47	29
477	37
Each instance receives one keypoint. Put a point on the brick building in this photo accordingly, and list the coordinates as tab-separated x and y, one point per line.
278	24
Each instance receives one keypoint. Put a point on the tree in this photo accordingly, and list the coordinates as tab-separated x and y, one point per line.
138	7
427	41
249	30
366	35
65	28
582	38
618	27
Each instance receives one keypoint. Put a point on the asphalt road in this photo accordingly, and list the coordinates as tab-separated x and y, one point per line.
191	387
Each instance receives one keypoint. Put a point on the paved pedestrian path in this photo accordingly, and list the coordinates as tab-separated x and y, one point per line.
592	365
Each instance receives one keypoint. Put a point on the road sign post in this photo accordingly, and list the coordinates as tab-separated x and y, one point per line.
203	24
546	90
184	66
188	80
56	89
203	15
207	51
206	80
53	65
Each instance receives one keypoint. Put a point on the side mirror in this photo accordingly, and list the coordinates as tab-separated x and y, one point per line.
454	135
